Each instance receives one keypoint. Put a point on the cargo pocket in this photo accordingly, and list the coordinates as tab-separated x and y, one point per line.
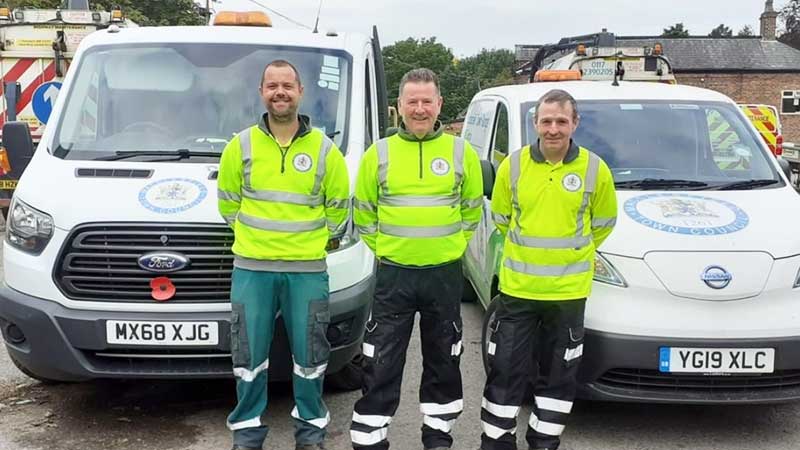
240	345
319	317
574	348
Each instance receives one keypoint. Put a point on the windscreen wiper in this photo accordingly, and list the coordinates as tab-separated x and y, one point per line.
660	183
181	153
745	185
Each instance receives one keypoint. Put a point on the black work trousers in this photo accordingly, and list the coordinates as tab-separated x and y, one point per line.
553	332
399	294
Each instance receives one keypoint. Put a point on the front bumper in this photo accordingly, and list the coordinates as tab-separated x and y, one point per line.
70	344
625	368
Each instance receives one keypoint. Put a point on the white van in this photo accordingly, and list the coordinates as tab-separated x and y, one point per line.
696	296
122	192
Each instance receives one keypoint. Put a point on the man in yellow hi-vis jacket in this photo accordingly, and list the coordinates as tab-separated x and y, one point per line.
555	203
284	189
418	202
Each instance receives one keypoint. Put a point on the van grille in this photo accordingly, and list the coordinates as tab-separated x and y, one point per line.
99	262
655	381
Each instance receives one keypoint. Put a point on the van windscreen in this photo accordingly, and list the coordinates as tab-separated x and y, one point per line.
193	97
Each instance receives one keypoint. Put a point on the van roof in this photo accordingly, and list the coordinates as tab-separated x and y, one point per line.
224	34
603	90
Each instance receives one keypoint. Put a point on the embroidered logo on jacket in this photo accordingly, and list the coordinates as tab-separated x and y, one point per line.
440	166
302	162
572	182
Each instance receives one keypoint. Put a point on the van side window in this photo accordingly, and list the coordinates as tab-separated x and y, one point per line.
478	125
368	138
726	146
500	139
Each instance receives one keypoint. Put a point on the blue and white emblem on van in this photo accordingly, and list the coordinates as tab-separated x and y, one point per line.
163	262
686	214
572	182
172	195
302	162
716	277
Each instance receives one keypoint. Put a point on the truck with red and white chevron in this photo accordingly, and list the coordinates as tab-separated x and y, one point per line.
36	48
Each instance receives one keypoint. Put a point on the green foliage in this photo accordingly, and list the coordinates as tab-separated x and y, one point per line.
143	12
721	31
746	31
676	31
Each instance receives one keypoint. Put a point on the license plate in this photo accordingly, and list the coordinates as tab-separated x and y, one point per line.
717	360
162	333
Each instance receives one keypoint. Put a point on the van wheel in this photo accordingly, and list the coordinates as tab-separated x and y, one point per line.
468	295
30	374
350	377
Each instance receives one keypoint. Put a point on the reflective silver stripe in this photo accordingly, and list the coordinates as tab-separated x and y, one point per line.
248	375
362	438
491	348
444	426
322	159
369	351
500	219
231	219
418	200
275	225
420	232
548	271
283	197
550	243
469	226
591	182
548	428
340	203
438	409
573	353
247	156
604	223
230	196
496	432
458	162
250	423
336	227
501	411
383	165
365	206
472	203
369	229
455	349
514	168
374	421
309	373
321	422
552	404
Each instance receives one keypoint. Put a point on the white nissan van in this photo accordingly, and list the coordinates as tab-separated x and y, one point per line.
696	297
120	201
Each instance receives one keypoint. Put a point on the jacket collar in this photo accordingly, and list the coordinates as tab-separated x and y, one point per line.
572	152
304	129
438	129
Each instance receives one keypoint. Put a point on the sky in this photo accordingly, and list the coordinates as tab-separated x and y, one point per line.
467	26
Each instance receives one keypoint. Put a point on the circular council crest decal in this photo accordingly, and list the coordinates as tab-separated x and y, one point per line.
172	195
687	214
302	162
572	182
440	166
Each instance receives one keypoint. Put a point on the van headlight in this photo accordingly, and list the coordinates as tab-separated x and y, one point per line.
604	272
343	241
797	280
27	228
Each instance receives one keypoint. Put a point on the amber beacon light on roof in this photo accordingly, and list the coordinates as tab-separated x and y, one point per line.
242	19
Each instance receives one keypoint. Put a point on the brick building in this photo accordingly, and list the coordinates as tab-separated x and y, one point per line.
755	69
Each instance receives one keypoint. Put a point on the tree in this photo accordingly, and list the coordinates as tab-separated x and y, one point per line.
143	12
676	31
791	19
746	31
721	31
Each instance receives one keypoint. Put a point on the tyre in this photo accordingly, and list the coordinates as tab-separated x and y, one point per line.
486	333
350	377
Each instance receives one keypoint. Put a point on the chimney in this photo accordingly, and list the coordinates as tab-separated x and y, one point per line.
769	22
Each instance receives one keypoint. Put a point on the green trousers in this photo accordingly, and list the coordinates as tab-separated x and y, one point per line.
302	300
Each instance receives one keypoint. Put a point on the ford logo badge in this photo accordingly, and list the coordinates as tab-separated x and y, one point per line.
163	262
716	277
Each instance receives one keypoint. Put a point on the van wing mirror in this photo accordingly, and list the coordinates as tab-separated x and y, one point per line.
786	168
488	173
19	146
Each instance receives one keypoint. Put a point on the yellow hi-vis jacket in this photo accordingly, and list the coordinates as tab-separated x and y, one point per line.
418	201
553	217
283	205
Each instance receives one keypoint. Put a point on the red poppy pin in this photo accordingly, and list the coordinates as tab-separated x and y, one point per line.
163	289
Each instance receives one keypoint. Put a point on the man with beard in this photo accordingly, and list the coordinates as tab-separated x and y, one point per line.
418	202
284	189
